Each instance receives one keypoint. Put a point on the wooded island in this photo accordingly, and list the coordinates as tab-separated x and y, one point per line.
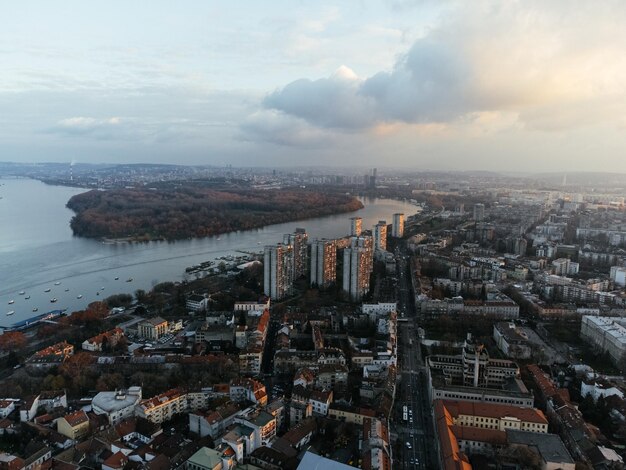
174	213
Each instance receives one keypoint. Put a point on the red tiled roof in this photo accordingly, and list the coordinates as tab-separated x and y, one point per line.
457	408
76	418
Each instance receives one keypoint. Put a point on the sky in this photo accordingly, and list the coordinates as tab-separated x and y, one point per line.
529	85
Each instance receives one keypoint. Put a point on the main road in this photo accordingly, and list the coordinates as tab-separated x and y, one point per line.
415	433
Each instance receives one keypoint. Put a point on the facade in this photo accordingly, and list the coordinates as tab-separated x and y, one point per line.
479	212
74	425
197	302
152	328
110	338
163	407
511	340
397	228
323	263
117	405
380	236
618	276
356	226
299	241
278	271
474	367
607	334
496	416
357	267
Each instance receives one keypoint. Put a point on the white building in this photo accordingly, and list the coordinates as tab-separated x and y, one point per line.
618	275
117	405
599	389
607	334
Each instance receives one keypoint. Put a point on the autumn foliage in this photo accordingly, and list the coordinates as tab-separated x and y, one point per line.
12	340
176	213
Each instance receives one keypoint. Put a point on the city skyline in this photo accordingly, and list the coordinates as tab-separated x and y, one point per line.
420	85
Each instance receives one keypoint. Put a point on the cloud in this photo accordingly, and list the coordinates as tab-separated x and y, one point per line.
89	126
275	127
553	68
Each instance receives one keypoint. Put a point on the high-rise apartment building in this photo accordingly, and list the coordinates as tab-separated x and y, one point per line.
323	263
397	229
356	226
479	212
357	267
299	241
380	236
278	270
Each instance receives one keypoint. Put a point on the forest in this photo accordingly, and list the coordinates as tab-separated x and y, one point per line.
195	212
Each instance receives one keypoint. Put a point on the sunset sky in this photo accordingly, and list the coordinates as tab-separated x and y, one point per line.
490	85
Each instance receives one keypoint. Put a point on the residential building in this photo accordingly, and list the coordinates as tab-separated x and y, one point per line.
205	459
618	276
298	240
117	405
599	388
380	236
197	302
357	267
479	212
152	328
74	425
261	422
6	408
278	271
163	407
397	228
323	263
103	340
356	226
260	306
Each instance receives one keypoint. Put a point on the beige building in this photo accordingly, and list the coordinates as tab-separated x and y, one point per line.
496	416
163	407
74	425
152	328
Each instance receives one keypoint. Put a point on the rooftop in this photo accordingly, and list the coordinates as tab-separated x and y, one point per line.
549	446
118	400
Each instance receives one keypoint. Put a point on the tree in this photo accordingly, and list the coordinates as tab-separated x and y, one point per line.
12	340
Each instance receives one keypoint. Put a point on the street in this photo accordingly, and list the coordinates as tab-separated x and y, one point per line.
412	419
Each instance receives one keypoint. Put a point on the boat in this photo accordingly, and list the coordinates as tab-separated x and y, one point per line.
47	290
27	297
97	293
11	301
11	312
67	290
102	288
130	279
117	278
58	283
22	292
80	296
53	300
35	309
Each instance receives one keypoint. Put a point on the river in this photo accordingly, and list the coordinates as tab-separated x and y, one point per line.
38	250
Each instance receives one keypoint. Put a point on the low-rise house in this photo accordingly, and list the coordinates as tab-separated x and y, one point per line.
241	439
53	399
51	356
331	376
599	388
301	434
74	425
29	407
107	339
243	388
6	408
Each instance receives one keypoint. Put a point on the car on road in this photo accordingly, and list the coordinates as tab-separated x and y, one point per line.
408	445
